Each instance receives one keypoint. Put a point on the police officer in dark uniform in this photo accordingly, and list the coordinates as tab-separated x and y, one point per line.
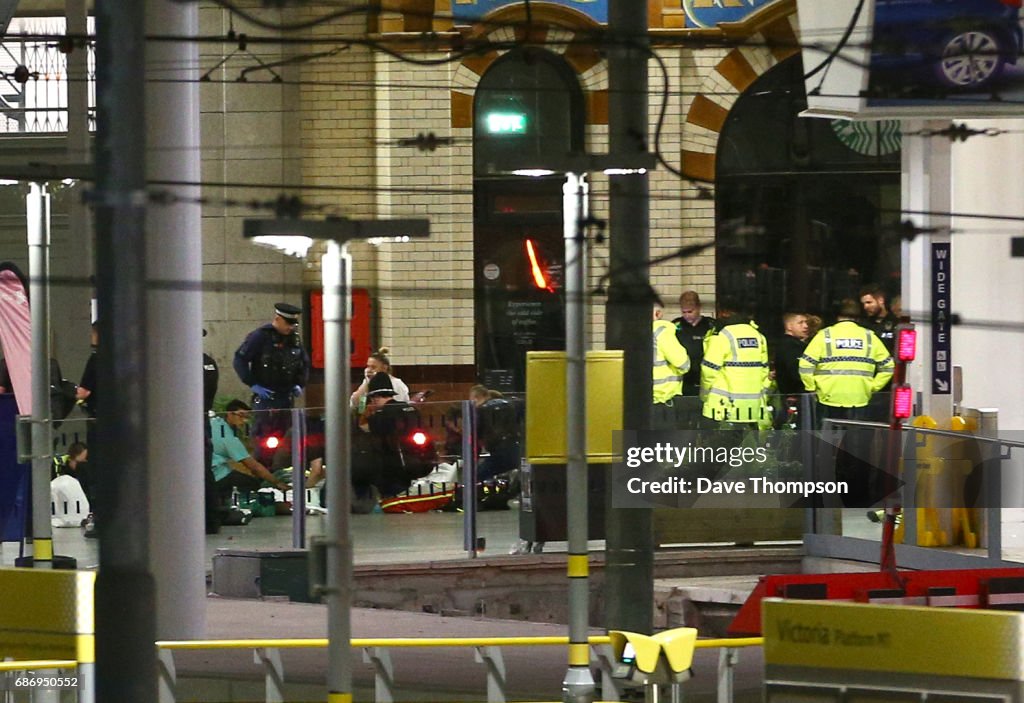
882	322
390	424
273	363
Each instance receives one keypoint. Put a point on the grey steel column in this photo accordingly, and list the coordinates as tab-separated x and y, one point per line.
69	310
578	685
38	215
174	264
336	270
629	570
126	662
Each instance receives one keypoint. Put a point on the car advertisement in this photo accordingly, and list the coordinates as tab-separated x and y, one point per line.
929	59
945	50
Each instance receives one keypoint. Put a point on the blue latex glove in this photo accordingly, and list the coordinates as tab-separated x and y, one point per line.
263	392
297	391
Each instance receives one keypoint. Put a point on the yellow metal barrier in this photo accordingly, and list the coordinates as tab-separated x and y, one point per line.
313	643
24	665
488	651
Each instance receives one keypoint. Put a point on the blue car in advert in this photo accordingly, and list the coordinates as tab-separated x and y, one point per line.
943	45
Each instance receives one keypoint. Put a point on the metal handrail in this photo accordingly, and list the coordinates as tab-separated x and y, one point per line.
312	643
28	665
928	430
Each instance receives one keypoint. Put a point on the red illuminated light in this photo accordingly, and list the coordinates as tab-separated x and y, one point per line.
906	343
539	279
272	442
419	438
902	402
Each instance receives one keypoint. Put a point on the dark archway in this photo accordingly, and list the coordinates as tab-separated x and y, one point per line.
528	106
806	208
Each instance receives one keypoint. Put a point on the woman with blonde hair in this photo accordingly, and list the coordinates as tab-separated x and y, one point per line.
378	362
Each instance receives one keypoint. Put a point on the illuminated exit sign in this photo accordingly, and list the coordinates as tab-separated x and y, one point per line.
506	123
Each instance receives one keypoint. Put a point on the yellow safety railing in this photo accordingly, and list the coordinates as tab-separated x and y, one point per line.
24	665
312	643
488	651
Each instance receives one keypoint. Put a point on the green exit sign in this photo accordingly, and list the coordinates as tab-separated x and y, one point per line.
506	123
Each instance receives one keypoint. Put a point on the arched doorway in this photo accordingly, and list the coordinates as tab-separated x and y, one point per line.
528	104
806	208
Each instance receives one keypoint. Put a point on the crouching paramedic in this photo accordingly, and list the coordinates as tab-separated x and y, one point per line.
233	467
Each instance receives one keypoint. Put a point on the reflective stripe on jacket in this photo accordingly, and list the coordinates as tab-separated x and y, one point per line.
845	364
734	374
671	362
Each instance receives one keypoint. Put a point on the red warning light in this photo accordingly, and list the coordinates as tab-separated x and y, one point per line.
272	442
906	343
902	402
419	438
539	279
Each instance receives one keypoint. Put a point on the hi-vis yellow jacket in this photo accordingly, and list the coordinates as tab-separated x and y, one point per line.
734	375
671	362
845	364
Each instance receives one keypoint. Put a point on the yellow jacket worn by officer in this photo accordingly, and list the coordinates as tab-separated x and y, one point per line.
671	362
734	375
845	365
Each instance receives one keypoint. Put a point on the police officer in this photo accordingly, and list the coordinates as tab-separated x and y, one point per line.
877	317
670	364
693	330
734	373
273	363
845	365
390	423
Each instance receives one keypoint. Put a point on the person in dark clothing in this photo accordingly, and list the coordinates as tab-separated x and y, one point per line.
211	379
787	354
274	364
786	363
882	322
88	397
497	433
692	329
877	317
391	424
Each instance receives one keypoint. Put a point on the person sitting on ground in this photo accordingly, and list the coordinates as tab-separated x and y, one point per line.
233	466
378	362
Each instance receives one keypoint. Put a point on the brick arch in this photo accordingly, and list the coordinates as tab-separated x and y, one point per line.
773	34
556	35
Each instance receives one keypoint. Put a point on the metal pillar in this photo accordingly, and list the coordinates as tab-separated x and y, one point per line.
578	685
927	186
126	669
174	267
336	267
38	215
629	569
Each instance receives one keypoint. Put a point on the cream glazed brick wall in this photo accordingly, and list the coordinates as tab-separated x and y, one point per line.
665	186
426	287
337	113
248	136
